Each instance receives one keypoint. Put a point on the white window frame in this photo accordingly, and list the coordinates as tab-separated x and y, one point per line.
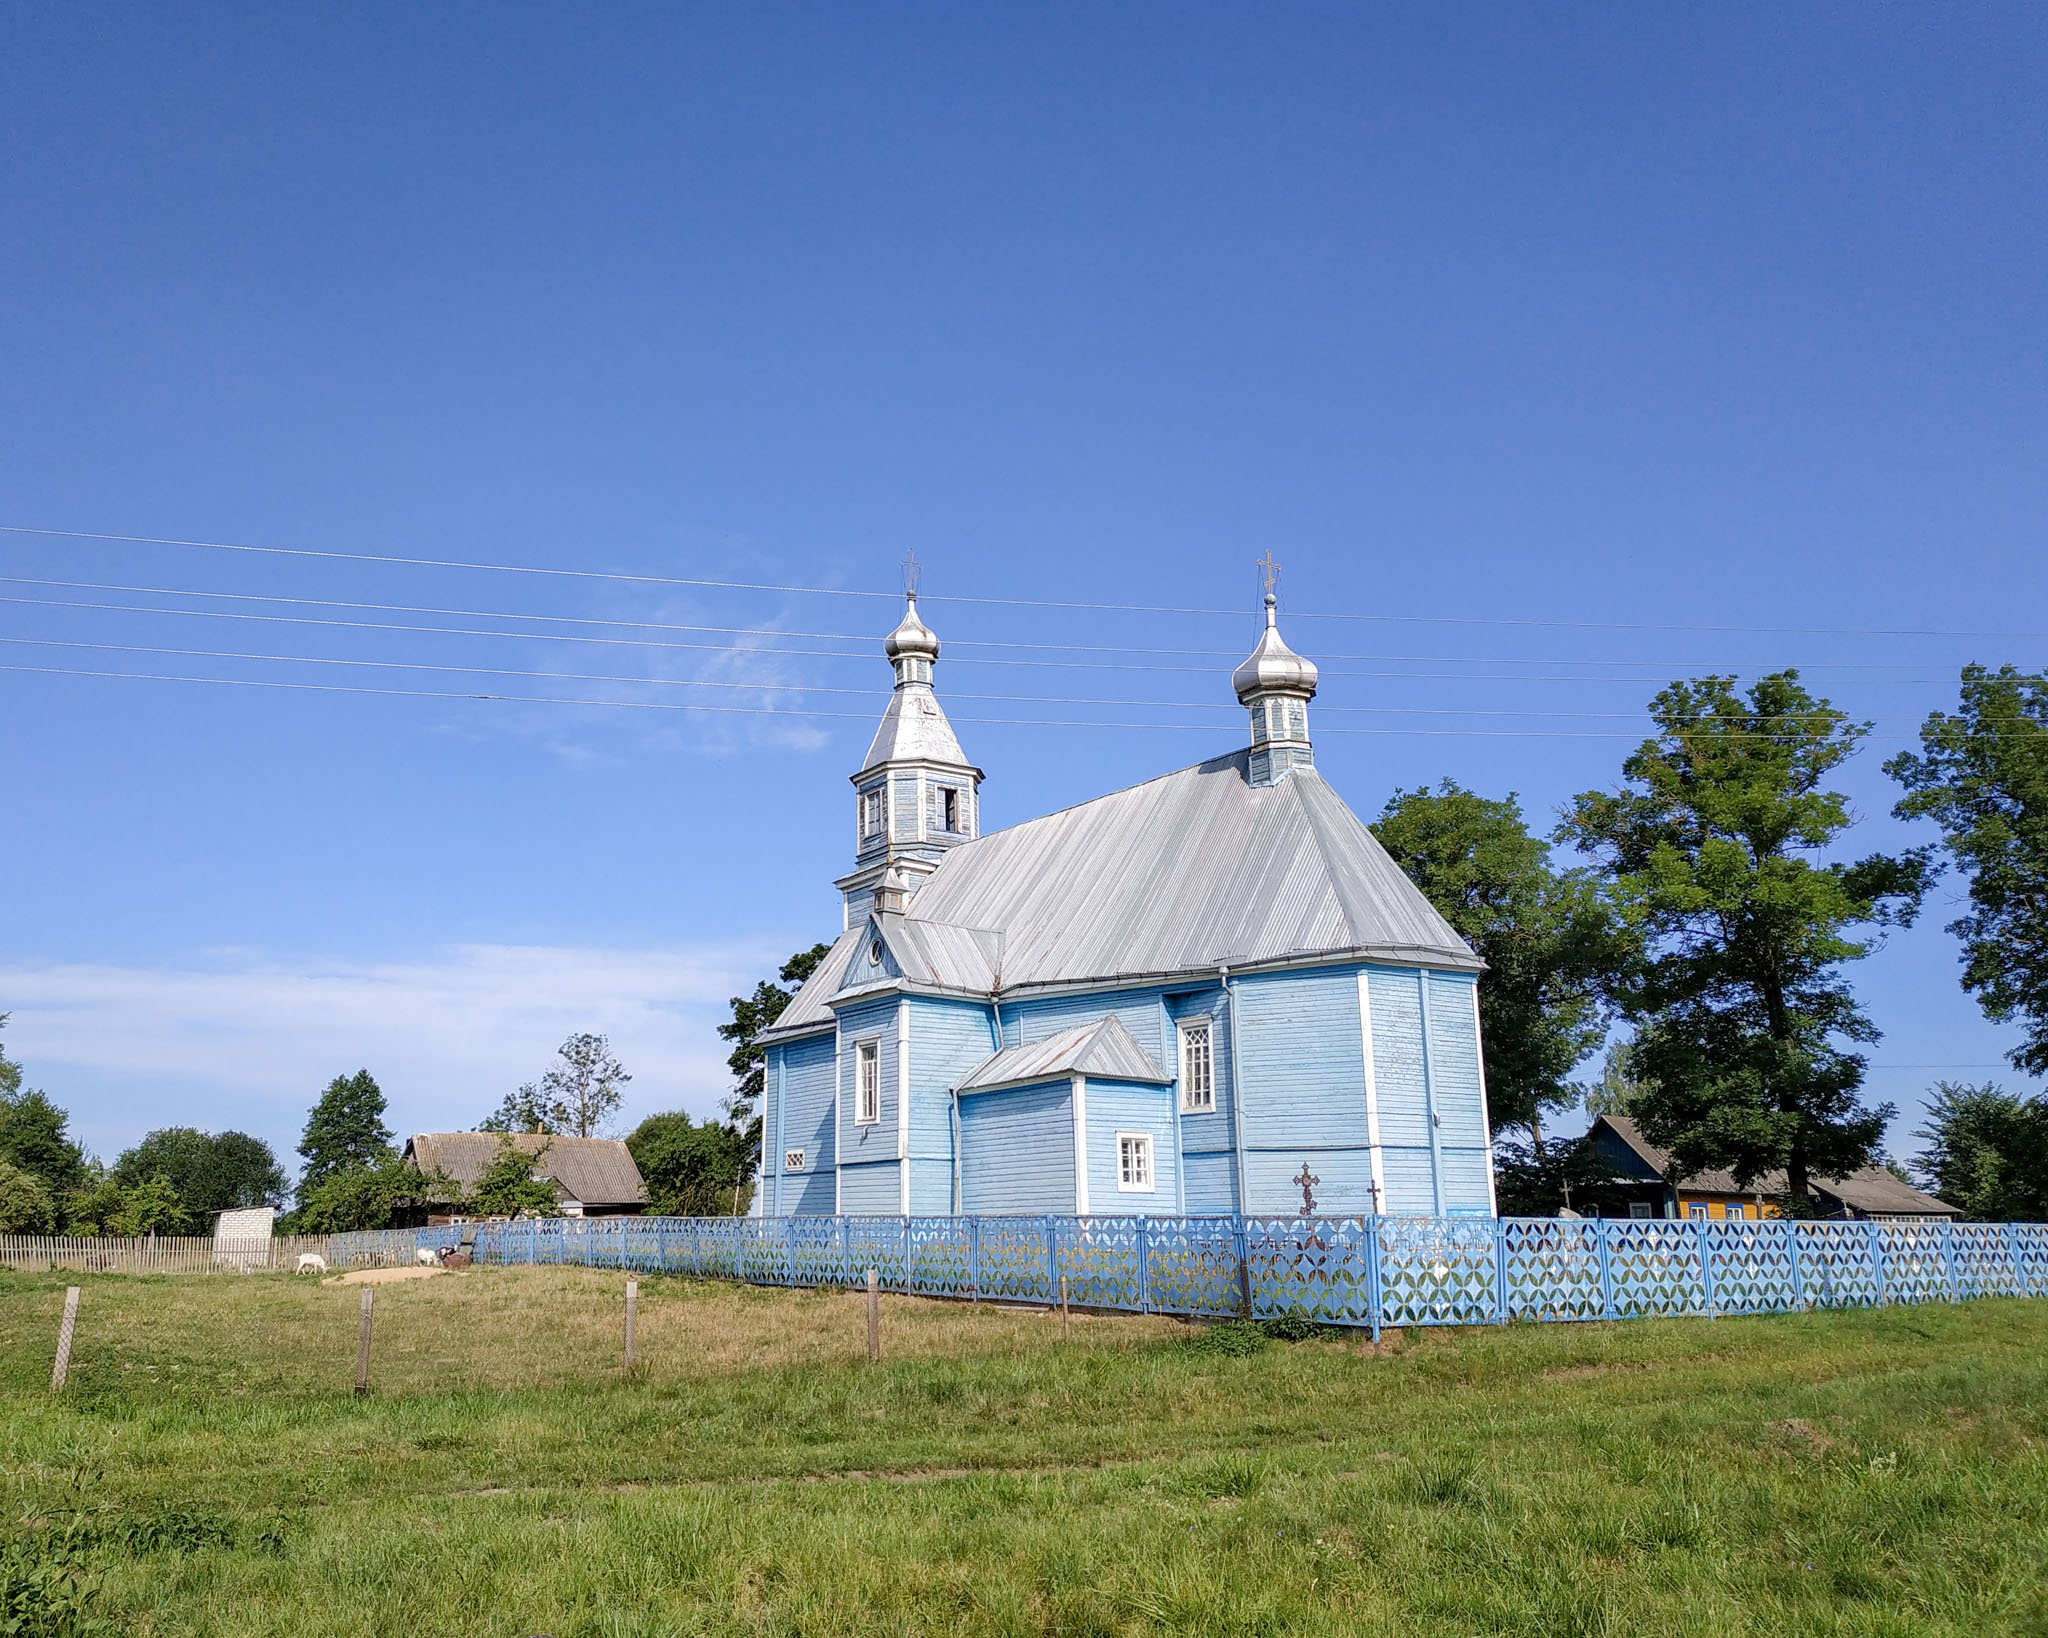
874	812
1735	1210
1144	1178
1189	1104
792	1160
1698	1212
867	1081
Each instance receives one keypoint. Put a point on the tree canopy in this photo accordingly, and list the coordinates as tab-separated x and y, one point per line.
576	1097
345	1130
25	1205
33	1136
1741	1012
382	1193
693	1169
1548	938
1982	776
508	1188
1987	1152
751	1014
206	1172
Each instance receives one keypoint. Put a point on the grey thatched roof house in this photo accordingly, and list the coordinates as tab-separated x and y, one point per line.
593	1177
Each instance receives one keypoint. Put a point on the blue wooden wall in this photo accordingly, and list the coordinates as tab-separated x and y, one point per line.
1302	1077
1208	1142
1129	1106
1017	1149
868	1180
801	1072
947	1039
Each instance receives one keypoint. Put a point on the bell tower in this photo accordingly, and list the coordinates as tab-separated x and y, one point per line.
916	794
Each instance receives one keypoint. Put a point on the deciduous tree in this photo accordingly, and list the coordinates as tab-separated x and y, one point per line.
508	1188
1743	1018
1987	1152
33	1136
208	1172
345	1130
691	1168
1982	775
1550	941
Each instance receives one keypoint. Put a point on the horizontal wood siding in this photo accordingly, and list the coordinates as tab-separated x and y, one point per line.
906	806
871	1191
1025	1021
947	1039
859	1145
1212	1182
1406	1161
1304	1064
1017	1150
1343	1186
1454	1074
861	972
1130	1106
805	1124
1207	1134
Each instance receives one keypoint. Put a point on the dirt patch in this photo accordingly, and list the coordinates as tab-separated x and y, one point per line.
1796	1433
384	1276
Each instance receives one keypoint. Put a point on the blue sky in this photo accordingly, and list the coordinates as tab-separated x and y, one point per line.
1554	354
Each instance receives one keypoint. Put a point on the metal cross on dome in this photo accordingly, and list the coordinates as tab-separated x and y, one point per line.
1270	570
1307	1180
911	566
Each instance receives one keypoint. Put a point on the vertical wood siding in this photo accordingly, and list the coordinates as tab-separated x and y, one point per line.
1017	1150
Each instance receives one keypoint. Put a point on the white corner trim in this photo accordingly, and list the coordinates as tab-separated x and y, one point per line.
1372	1096
903	1105
1080	1101
838	1123
1485	1114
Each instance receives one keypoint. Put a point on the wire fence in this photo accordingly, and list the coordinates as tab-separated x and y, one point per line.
204	1254
1353	1271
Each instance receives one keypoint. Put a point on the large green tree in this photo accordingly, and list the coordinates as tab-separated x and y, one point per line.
345	1131
386	1192
1987	1152
208	1171
1982	775
693	1168
577	1096
1743	1018
33	1135
25	1205
751	1014
1550	942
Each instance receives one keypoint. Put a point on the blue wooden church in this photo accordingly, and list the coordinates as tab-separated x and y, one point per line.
1193	996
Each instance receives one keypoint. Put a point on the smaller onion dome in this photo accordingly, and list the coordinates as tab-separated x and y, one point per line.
1273	667
913	638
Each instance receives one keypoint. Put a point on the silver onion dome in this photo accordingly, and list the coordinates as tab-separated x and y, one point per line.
1273	667
913	638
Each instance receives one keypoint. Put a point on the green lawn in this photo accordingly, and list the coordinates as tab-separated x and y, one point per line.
1861	1472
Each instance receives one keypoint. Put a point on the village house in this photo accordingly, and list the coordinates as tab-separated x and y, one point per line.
1211	992
592	1177
1643	1183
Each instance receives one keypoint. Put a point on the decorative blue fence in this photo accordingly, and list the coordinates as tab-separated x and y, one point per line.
1363	1271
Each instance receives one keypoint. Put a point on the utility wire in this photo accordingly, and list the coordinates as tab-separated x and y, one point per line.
1004	602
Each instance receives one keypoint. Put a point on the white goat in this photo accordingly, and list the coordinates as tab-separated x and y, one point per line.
311	1262
428	1258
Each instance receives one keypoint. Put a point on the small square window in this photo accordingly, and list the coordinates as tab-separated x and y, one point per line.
1736	1213
1134	1162
1639	1208
793	1160
1697	1209
867	1098
1197	1068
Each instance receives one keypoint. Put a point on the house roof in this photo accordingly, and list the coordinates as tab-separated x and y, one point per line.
1872	1190
1104	1050
1182	874
595	1171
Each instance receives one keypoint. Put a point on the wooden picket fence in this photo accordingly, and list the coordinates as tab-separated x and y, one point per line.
202	1254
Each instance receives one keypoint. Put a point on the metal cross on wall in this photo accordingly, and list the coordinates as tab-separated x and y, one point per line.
1308	1180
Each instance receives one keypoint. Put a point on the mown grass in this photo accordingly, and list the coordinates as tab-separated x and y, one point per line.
1855	1473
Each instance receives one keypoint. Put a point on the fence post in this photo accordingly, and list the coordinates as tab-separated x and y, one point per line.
906	1258
1144	1267
1066	1313
1372	1274
1052	1257
1244	1267
632	1318
1606	1269
66	1329
363	1342
874	1319
1948	1256
533	1242
1877	1260
1500	1271
1699	1230
974	1258
2012	1251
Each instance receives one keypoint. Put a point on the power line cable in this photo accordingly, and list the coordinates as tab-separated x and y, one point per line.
1005	602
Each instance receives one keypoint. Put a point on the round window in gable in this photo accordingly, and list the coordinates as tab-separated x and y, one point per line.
874	952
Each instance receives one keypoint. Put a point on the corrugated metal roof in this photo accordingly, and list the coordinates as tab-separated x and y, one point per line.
1184	873
1103	1049
596	1171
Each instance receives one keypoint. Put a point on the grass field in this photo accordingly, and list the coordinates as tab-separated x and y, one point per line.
207	1470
